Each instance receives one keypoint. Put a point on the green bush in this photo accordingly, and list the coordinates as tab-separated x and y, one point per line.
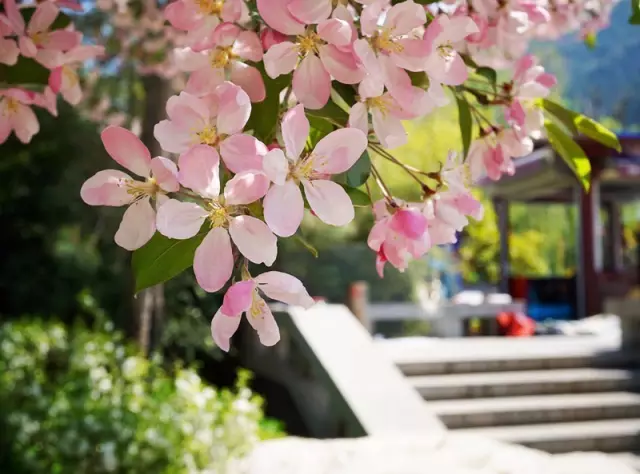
83	401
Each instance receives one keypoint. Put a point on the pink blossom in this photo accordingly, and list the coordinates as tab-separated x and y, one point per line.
115	188
232	47
199	18
335	153
270	37
399	235
64	79
492	153
386	117
203	120
389	50
9	50
224	215
16	115
530	82
47	100
447	211
443	63
35	40
244	297
315	58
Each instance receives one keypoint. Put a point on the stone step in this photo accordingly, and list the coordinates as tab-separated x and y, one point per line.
631	459
604	435
500	411
467	363
529	382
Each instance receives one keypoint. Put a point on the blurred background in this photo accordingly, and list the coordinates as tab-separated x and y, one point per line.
72	331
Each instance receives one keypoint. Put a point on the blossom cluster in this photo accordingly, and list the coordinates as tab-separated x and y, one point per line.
30	33
243	160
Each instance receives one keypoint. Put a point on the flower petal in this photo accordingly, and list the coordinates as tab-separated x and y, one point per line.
106	188
165	172
25	123
234	108
261	319
284	209
295	131
250	79
329	201
404	17
246	187
276	14
138	225
310	11
42	18
213	261
223	327
127	150
341	65
242	152
389	129
284	287
238	298
335	31
280	59
254	239
359	117
180	220
338	151
248	46
200	170
276	166
312	83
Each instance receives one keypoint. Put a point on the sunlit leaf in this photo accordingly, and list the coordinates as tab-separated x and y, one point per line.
265	115
570	152
162	259
466	124
358	197
358	174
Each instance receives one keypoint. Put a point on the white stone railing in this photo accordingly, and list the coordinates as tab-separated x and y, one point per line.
341	383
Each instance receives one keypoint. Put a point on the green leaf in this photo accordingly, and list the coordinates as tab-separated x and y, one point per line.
634	19
488	73
162	259
265	115
302	241
346	92
320	128
358	174
358	197
570	152
331	112
591	40
419	79
25	72
577	123
466	124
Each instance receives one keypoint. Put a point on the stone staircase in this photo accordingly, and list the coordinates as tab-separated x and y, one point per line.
557	395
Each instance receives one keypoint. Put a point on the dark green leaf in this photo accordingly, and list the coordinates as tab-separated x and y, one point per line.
331	112
25	72
162	259
419	79
302	241
265	115
469	61
570	152
358	174
320	128
591	40
489	74
358	197
577	123
61	21
466	124
634	19
346	92
480	97
421	2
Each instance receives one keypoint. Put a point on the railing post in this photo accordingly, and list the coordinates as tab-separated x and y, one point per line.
358	302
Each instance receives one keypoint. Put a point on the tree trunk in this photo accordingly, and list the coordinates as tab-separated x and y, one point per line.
150	303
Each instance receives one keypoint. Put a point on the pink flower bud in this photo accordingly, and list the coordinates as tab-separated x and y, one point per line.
409	222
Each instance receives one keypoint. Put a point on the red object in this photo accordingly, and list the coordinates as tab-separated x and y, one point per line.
516	324
518	287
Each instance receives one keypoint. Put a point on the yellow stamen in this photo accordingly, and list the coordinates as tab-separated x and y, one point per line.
139	190
210	7
381	103
11	106
445	50
302	170
218	214
207	136
70	75
258	306
38	38
309	43
383	41
220	57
